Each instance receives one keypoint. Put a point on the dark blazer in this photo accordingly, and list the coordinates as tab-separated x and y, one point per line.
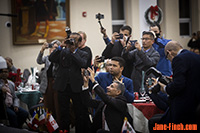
69	71
184	91
105	79
141	62
115	110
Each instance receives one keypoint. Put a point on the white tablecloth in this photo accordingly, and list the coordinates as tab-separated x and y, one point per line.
140	122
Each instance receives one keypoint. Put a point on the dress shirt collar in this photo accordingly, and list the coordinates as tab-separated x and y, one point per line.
179	51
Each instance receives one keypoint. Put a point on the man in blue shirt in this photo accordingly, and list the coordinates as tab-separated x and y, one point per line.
115	73
164	65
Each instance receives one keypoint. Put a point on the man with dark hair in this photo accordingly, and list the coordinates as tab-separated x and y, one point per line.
111	110
164	65
115	73
68	81
115	47
85	48
142	57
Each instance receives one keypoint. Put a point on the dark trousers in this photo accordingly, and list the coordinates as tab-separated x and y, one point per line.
16	119
64	108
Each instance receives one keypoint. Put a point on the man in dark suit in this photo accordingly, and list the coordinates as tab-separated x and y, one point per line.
142	58
184	90
69	80
111	110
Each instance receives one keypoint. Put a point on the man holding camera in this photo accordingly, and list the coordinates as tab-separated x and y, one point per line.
85	48
115	47
47	76
164	65
115	73
184	90
142	57
69	80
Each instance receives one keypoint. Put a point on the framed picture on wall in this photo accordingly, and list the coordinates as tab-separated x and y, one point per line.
39	20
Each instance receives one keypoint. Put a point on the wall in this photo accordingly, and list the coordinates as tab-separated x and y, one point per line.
24	56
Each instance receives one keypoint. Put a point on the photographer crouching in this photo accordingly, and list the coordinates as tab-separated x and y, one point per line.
69	80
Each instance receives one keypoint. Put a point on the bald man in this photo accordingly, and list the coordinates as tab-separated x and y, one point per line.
184	90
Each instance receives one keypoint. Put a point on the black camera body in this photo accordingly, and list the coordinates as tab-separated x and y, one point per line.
120	36
102	58
157	74
133	42
69	41
99	16
50	45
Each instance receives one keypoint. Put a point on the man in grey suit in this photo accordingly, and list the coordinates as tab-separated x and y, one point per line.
69	80
142	57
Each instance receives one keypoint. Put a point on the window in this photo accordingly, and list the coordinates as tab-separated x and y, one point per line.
118	19
184	17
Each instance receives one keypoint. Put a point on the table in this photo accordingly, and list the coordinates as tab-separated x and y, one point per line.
148	109
141	113
31	98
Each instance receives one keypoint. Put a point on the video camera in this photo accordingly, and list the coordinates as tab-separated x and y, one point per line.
70	41
100	16
153	72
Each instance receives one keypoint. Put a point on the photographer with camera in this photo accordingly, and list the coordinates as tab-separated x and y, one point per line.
164	65
47	76
85	48
184	90
116	45
142	58
69	80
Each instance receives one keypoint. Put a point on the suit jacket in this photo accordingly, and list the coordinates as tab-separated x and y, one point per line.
69	71
184	90
115	50
105	79
115	110
141	62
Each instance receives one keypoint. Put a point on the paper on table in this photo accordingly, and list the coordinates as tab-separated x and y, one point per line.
139	101
29	90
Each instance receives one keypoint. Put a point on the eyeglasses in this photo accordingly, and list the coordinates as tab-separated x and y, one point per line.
146	39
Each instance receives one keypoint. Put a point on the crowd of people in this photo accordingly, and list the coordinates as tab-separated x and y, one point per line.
72	85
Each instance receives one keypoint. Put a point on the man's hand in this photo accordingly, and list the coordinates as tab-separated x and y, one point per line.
96	61
63	44
162	86
44	46
103	31
85	78
116	79
138	46
153	81
5	88
114	37
92	74
16	109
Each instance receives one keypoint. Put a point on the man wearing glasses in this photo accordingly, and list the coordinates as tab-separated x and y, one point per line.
142	57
